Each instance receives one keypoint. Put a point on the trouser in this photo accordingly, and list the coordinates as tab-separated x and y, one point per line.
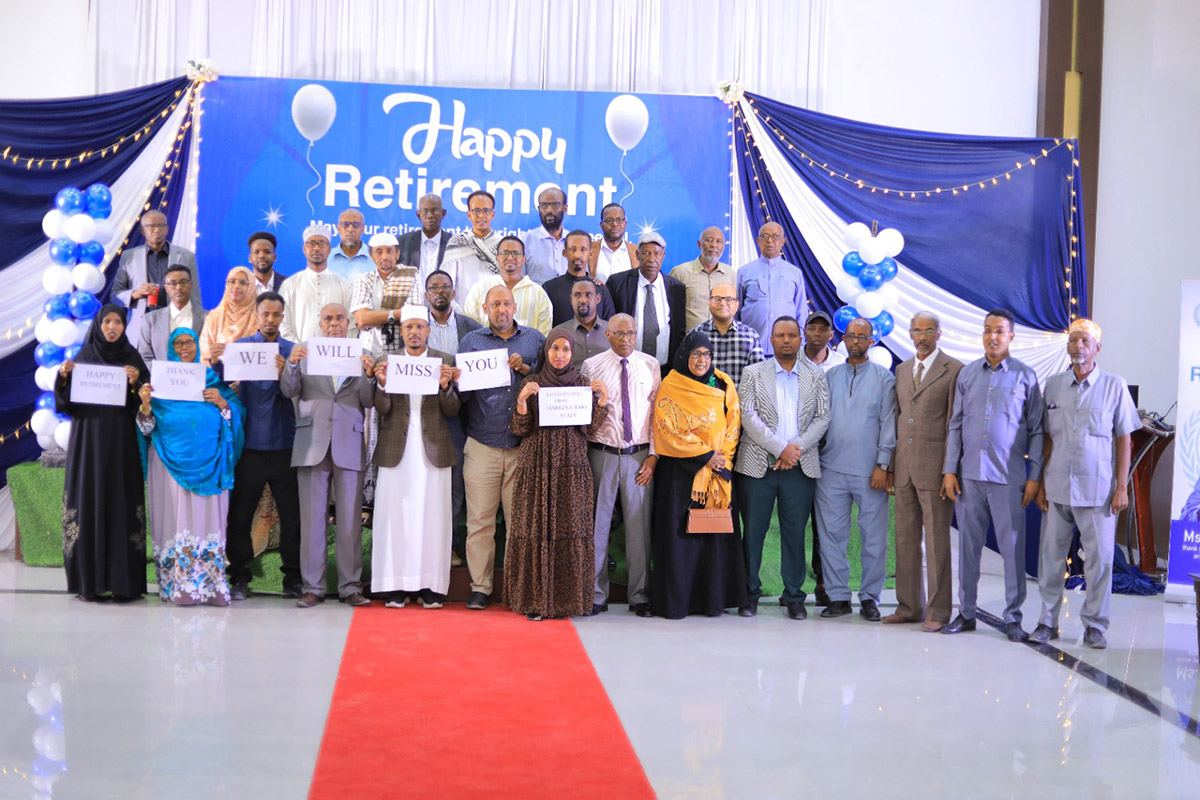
613	478
1097	534
922	514
256	469
457	490
817	571
489	474
1001	503
835	493
793	491
314	485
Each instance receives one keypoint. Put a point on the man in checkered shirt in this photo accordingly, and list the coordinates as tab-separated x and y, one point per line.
735	344
378	295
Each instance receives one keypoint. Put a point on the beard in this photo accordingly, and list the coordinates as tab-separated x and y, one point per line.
709	261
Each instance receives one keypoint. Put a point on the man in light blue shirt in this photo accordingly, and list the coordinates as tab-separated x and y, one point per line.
544	254
855	456
350	258
996	423
1085	481
769	287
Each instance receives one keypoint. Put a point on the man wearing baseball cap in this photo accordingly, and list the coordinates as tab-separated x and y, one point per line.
657	302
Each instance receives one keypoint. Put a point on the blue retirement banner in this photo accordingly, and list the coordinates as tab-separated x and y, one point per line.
378	148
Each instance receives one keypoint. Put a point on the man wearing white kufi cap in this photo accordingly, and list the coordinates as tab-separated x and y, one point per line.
307	292
378	295
414	455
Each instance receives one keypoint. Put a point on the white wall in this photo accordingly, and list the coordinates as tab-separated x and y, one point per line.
43	49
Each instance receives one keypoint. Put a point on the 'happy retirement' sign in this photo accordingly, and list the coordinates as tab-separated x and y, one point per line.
251	361
413	375
335	357
485	369
177	380
564	405
98	385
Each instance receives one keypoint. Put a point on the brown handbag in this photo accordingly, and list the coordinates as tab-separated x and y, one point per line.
710	520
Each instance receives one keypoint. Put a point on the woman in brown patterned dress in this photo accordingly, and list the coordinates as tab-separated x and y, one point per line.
550	564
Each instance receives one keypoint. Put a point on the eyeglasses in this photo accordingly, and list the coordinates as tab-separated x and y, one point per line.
185	342
430	212
857	337
613	221
624	334
153	226
171	284
439	289
236	282
771	237
481	212
922	334
702	355
725	300
551	206
350	224
509	254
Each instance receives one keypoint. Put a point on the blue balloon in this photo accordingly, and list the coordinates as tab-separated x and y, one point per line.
58	307
876	334
91	253
99	211
62	417
44	400
843	317
853	263
870	278
70	201
72	352
84	305
885	322
64	252
99	194
48	354
888	267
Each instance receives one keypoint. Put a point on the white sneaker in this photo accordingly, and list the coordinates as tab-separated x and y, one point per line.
397	601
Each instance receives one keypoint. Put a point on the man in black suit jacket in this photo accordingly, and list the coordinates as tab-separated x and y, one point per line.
648	281
577	246
431	212
262	261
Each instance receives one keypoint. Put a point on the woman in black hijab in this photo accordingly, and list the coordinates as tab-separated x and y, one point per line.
104	503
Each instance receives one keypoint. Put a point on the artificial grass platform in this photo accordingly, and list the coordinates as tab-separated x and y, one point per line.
37	495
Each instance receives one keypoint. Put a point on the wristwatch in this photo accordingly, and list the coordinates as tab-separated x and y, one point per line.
392	317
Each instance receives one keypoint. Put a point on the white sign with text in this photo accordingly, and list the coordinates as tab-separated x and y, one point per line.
564	405
484	369
413	375
98	385
251	361
177	380
340	357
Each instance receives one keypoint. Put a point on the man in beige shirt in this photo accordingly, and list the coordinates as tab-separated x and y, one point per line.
702	274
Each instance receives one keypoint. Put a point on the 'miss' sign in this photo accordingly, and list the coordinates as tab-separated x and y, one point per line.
413	375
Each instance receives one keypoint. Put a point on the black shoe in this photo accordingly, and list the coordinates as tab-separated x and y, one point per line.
1015	633
430	598
612	564
293	591
869	611
643	610
822	597
239	591
1094	638
796	610
1043	633
598	608
959	624
836	608
478	601
748	610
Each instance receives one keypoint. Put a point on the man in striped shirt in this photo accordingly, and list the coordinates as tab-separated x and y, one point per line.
533	304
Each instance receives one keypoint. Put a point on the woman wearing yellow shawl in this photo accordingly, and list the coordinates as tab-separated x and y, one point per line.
697	421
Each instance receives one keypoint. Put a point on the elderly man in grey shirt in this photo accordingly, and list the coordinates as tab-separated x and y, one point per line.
1085	480
996	423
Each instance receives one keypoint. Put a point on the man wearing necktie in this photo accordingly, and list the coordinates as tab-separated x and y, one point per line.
657	302
622	457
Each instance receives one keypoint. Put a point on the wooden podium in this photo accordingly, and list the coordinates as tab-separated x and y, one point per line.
1148	445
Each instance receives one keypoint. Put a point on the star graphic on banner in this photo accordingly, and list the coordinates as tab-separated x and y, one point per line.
273	217
647	227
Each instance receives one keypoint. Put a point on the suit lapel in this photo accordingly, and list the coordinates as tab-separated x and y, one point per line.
769	400
934	371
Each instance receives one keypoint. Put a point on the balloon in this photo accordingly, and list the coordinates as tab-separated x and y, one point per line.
69	201
44	400
848	289
97	212
852	263
71	353
84	305
44	378
313	111
871	250
87	278
62	332
43	422
47	443
886	323
887	265
856	234
843	317
82	326
91	252
80	229
876	334
870	278
626	120
41	331
869	305
889	294
64	252
48	354
100	194
57	280
893	241
881	356
62	435
57	307
104	232
54	224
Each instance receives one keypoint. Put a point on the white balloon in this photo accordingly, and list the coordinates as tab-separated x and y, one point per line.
869	305
41	331
62	434
56	745
43	731
87	277
82	326
57	280
43	422
81	228
881	356
63	332
871	250
626	120
889	294
54	224
856	234
848	288
313	111
893	241
104	232
45	377
47	443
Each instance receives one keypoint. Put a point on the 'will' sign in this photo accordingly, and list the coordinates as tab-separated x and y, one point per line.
335	357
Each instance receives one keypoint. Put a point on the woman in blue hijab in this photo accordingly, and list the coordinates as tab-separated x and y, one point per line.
193	447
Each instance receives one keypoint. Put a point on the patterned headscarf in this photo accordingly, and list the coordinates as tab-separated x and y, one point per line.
1087	326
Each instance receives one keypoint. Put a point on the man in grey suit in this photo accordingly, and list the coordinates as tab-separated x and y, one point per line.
329	448
426	247
924	401
181	312
139	285
785	412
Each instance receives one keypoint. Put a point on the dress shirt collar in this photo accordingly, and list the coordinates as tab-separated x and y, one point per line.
928	362
435	239
771	262
421	354
643	283
604	245
795	370
450	320
488	330
1001	367
544	234
1088	379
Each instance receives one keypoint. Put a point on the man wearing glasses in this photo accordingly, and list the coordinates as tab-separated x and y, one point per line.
350	259
544	256
471	255
769	287
702	274
735	344
425	247
533	305
181	312
612	254
141	278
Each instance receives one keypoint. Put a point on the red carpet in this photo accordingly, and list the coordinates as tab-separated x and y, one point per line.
453	703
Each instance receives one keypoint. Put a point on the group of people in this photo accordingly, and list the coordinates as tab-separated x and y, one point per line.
715	396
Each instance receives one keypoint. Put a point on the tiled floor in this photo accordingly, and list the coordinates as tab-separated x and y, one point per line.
159	702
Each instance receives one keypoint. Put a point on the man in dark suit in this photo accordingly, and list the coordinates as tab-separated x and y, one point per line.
262	261
577	247
139	282
924	401
425	248
180	312
657	302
